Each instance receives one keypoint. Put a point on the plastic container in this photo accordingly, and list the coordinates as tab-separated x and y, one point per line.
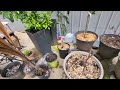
54	62
63	53
107	52
84	45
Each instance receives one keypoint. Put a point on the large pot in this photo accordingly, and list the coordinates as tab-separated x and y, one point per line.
84	45
44	38
19	74
106	51
84	53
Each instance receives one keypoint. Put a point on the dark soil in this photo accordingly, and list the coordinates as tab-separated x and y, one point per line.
51	57
12	70
41	71
111	41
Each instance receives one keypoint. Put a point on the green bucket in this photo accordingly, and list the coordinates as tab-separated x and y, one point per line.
53	64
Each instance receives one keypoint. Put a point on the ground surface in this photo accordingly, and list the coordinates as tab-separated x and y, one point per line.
57	73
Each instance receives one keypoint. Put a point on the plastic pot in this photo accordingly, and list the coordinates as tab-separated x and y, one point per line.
18	75
29	70
31	56
107	52
64	53
84	45
46	76
52	61
53	64
84	53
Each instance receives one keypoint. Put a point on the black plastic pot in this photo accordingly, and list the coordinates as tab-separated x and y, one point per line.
18	75
84	45
64	53
107	52
46	76
44	38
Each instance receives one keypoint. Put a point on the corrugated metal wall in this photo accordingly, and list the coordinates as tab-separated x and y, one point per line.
102	22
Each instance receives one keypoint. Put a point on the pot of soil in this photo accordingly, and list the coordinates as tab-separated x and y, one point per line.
84	41
30	54
29	70
109	46
79	65
52	61
13	70
42	72
63	49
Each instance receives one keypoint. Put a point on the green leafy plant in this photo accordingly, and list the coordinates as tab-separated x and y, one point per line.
26	52
34	20
62	17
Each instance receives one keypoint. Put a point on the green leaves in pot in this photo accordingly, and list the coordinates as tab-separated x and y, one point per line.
26	52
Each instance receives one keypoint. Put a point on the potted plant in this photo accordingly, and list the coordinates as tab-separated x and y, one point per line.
29	70
42	72
82	65
109	45
30	54
61	18
85	39
52	61
63	49
13	70
39	27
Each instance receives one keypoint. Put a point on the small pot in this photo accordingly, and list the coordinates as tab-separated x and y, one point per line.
63	53
29	70
84	45
107	52
18	75
52	61
46	76
32	55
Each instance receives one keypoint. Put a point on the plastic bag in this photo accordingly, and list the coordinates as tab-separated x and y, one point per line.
42	60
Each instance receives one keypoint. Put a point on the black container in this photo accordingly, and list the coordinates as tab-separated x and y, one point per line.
43	39
84	45
107	52
18	75
64	53
46	76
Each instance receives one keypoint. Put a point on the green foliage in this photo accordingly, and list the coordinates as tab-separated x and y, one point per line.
62	17
33	20
26	52
106	76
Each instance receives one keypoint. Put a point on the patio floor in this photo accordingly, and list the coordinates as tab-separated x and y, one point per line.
58	73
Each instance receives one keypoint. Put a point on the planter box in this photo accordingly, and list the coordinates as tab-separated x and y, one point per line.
44	38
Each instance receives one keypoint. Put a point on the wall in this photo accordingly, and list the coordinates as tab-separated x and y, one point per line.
102	22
